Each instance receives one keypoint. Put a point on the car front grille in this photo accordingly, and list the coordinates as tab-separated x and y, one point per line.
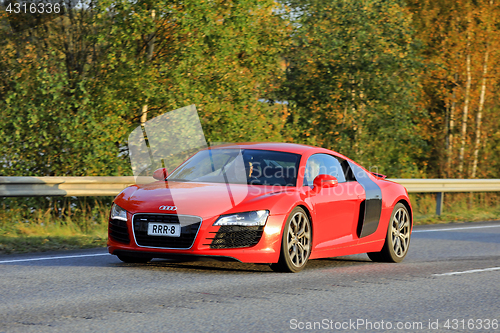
189	229
118	231
236	236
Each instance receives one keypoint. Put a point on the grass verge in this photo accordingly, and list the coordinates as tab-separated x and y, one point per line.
49	224
457	207
28	244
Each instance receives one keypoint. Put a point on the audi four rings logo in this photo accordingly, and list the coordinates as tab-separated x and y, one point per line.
167	208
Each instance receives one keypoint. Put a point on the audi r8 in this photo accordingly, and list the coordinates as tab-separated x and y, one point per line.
276	203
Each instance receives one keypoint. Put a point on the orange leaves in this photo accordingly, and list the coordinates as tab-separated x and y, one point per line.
458	37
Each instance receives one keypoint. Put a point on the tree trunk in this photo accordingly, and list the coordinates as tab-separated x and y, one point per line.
480	114
466	101
144	114
481	101
451	128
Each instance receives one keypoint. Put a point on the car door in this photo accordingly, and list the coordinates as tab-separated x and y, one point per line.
371	204
336	209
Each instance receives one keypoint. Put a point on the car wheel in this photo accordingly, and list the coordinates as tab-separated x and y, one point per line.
398	237
295	244
134	260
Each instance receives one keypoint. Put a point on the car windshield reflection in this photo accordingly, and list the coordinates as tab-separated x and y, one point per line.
240	166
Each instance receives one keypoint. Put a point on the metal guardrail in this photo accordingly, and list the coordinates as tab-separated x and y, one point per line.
441	186
449	185
111	186
66	186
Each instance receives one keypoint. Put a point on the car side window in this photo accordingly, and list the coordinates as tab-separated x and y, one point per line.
349	175
319	164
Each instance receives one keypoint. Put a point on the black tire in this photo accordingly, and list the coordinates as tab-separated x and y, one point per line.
397	240
134	260
296	243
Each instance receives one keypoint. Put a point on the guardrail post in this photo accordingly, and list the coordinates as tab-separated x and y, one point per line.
439	203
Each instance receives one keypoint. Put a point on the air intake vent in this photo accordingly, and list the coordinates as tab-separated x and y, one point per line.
236	236
118	231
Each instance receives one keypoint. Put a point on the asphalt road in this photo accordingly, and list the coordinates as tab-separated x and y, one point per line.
449	282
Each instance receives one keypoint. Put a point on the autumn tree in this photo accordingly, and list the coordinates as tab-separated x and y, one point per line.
221	56
72	88
460	40
352	81
52	123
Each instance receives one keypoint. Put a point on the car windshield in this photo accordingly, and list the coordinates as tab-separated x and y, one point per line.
240	166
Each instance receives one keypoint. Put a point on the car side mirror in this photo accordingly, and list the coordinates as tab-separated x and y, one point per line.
160	174
322	181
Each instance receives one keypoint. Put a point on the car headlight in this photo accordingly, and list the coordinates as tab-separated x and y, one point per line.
118	213
247	219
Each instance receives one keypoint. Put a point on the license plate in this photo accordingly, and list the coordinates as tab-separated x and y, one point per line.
164	229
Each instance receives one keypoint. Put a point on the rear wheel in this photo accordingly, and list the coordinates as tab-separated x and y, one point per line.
397	240
295	244
134	260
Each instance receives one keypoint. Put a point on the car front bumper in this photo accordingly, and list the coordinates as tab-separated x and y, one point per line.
266	250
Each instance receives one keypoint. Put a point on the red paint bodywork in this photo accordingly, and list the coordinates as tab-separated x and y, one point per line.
334	211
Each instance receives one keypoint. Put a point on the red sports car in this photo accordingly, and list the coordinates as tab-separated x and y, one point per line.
275	203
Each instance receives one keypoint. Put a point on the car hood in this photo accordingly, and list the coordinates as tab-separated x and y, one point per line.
199	199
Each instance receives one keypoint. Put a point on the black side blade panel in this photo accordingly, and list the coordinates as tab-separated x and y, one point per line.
373	203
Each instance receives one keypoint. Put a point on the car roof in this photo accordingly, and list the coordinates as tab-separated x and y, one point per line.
276	146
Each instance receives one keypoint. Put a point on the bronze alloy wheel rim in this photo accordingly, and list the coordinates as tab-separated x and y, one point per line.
299	239
400	232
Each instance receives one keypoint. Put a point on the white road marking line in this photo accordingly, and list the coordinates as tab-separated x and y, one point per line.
464	228
414	231
49	258
461	228
471	271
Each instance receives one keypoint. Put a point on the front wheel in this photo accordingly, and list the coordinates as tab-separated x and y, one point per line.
398	237
295	244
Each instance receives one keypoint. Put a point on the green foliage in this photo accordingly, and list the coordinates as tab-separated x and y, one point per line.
81	82
52	120
341	74
353	81
219	55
